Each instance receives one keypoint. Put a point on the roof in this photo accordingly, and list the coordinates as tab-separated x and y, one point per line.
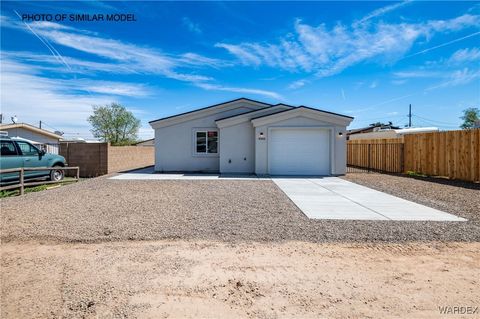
209	107
253	111
30	128
151	139
370	128
303	107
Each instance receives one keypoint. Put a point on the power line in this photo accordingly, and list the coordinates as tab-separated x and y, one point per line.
440	122
426	122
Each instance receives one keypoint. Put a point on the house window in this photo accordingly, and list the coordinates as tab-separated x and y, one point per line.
206	142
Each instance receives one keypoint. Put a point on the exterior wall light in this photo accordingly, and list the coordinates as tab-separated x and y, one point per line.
261	136
340	133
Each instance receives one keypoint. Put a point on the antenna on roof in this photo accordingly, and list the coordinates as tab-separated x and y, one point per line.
14	119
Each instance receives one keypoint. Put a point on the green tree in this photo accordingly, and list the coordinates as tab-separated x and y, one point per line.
469	117
114	123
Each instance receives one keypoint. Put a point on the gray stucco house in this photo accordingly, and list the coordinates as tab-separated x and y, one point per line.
244	136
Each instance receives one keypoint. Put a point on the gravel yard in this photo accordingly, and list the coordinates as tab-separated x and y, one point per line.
102	209
227	248
455	197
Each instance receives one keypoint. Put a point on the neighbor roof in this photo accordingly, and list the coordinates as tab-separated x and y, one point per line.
30	128
209	107
303	107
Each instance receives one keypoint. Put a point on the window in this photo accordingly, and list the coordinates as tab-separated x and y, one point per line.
27	149
7	148
206	142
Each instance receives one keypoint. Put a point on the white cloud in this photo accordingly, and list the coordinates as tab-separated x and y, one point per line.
457	77
191	26
243	54
326	52
373	85
380	12
465	56
216	87
120	58
63	104
297	84
418	74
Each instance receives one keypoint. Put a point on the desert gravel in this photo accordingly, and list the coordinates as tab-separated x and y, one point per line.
102	209
451	196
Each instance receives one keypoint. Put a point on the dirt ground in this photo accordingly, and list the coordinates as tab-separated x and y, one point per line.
211	279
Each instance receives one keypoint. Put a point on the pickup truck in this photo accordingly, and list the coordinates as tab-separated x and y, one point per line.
17	153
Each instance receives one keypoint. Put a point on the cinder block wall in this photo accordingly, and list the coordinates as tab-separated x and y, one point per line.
121	158
90	157
95	159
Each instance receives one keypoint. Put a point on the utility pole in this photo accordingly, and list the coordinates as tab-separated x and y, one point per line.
40	126
410	115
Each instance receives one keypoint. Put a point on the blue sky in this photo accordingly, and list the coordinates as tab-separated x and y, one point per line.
364	59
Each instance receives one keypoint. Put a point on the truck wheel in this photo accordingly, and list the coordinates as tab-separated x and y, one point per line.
57	175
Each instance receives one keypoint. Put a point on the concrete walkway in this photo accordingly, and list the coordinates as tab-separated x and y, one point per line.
148	173
335	198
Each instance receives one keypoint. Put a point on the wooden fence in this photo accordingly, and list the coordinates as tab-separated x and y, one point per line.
384	155
452	154
21	177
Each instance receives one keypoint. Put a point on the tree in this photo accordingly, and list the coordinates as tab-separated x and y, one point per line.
113	123
470	115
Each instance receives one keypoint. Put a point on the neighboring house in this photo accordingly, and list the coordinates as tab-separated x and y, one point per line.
150	142
37	136
244	136
391	133
372	128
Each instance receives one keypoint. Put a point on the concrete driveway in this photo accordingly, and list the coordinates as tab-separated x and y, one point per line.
323	197
335	198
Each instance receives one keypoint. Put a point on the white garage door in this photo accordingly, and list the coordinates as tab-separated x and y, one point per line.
299	152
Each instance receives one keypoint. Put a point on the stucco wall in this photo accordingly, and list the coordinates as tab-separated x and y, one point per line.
237	148
30	135
174	145
337	147
121	158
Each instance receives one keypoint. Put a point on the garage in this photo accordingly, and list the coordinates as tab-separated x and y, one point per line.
299	151
301	141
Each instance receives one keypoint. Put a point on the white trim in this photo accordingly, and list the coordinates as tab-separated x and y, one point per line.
245	117
196	114
302	112
331	147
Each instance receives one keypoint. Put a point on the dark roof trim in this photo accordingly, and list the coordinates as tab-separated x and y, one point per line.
304	107
208	107
150	139
229	117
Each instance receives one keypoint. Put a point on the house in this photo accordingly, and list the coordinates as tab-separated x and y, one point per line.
244	136
372	128
150	142
37	136
392	133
